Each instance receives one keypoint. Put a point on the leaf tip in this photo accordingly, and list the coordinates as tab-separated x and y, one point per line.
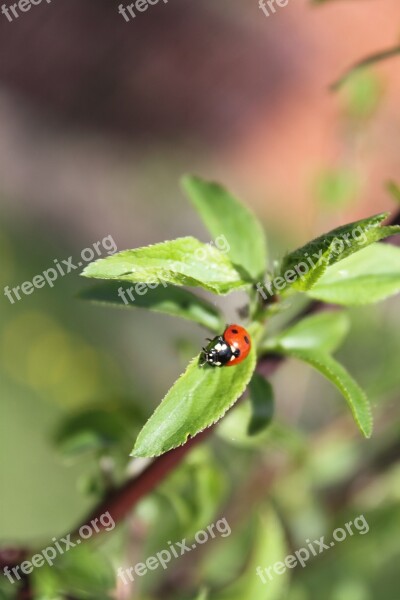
85	273
140	452
88	270
188	180
368	430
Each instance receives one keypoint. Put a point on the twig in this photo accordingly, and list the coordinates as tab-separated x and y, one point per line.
366	62
120	502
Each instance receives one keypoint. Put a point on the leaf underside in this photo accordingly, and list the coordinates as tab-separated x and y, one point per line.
167	299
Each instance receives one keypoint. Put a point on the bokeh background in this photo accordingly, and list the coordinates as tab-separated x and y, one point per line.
99	119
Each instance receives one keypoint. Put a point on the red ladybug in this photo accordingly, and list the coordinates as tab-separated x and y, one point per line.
228	349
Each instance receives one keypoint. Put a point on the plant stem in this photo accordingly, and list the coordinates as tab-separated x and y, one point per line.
119	502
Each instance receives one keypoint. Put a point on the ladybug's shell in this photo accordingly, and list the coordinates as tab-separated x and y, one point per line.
237	337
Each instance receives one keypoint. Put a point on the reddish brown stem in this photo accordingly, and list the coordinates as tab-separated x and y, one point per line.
119	502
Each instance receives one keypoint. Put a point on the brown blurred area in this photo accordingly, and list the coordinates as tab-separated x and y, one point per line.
97	113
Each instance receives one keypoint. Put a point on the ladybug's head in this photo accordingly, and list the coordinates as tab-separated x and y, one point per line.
211	357
218	353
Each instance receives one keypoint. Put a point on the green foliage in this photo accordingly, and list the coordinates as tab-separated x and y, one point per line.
81	573
64	368
362	92
188	501
170	300
394	190
199	398
203	595
261	395
364	278
324	332
97	429
337	374
352	572
344	266
184	261
234	430
312	340
336	188
225	215
332	247
269	547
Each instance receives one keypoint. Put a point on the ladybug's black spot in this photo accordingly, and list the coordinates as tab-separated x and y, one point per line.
246	339
234	331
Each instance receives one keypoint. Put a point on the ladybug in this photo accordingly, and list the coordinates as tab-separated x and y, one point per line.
228	349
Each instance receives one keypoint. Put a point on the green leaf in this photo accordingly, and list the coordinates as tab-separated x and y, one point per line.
325	332
184	261
98	428
187	501
362	94
203	595
233	429
269	547
84	573
336	188
337	374
310	262
364	278
261	395
227	218
169	300
199	398
394	190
